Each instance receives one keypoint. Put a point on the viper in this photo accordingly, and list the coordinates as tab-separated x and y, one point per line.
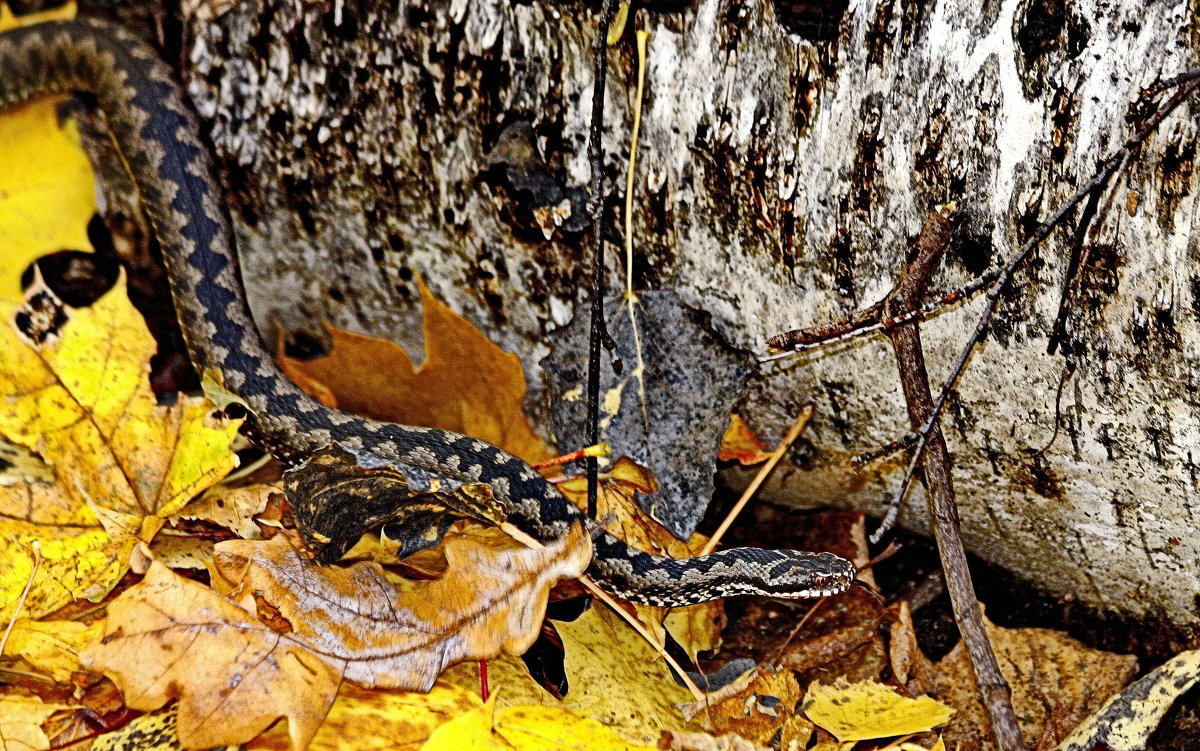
158	136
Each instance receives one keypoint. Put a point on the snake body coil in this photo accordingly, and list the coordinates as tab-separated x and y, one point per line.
157	134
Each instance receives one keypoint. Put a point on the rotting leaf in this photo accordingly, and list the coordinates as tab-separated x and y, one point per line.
758	707
121	461
864	711
1056	682
232	507
467	384
169	637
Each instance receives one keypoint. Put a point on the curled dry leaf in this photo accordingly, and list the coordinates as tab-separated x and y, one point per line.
169	637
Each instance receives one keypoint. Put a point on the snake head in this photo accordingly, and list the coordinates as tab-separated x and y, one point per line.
800	575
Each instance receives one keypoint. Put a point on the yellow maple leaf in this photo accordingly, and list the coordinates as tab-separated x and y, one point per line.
121	462
863	711
467	384
536	728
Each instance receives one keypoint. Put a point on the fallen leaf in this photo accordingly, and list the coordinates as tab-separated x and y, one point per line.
696	628
379	719
466	384
490	600
741	444
21	719
232	507
169	637
526	729
677	740
864	711
149	732
121	462
47	191
51	646
758	707
615	677
1056	683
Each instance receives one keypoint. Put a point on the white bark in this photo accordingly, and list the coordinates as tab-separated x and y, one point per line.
780	180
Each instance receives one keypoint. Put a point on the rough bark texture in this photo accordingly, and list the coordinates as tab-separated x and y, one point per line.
788	156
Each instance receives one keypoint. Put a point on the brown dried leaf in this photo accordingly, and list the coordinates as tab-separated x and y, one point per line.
466	384
1056	681
233	508
234	675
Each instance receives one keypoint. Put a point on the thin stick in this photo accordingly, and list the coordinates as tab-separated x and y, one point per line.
598	332
607	599
37	561
806	414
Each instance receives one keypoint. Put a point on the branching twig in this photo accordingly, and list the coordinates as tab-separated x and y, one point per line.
1107	169
992	689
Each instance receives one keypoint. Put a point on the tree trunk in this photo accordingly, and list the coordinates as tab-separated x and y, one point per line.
789	153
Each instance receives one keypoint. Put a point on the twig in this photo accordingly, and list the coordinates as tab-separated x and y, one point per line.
992	689
1107	168
598	334
806	414
37	561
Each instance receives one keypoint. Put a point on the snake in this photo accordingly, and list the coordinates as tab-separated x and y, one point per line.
158	136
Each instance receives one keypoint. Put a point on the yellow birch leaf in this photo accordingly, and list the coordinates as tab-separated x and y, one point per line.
121	462
52	646
526	729
863	711
46	187
21	719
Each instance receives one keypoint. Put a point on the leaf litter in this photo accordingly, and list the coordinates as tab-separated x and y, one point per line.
282	638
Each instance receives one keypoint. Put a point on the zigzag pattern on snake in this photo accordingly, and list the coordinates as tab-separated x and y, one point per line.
157	134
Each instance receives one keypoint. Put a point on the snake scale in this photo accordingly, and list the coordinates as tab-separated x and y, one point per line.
158	136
